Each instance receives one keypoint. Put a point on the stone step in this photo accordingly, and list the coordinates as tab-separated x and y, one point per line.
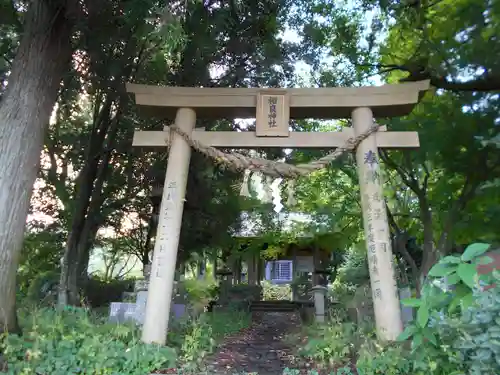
277	306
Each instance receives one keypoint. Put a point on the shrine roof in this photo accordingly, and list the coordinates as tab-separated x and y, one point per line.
318	103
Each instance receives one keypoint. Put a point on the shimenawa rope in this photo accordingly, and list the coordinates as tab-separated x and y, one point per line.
239	162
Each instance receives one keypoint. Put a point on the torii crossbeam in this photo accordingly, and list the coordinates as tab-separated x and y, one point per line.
248	139
273	108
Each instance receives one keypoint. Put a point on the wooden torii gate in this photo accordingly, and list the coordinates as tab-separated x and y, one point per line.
273	108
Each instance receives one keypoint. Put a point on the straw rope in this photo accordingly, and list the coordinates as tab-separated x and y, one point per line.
239	162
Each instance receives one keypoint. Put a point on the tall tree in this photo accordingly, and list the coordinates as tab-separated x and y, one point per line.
91	170
42	58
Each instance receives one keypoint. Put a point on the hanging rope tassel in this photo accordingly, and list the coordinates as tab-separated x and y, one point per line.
277	196
245	191
291	201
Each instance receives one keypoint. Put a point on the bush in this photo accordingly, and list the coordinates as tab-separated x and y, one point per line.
98	293
340	297
456	331
43	288
200	290
75	342
333	345
476	333
199	293
346	348
375	359
276	291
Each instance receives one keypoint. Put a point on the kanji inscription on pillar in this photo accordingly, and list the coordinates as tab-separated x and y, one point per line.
273	114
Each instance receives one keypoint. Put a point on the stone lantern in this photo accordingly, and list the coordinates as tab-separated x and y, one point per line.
319	292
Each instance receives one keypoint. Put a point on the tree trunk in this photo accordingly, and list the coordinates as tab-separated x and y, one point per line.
43	57
152	225
90	198
430	253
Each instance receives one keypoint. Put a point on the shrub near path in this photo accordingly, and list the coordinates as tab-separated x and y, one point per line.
76	342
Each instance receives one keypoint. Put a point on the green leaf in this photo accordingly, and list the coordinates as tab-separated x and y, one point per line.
450	259
412	302
418	339
462	290
440	270
474	251
467	272
406	334
467	301
454	304
452	279
423	315
429	335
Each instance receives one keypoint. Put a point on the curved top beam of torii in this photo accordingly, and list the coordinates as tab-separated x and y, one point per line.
328	103
318	103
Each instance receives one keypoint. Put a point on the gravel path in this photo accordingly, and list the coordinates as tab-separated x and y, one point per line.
258	349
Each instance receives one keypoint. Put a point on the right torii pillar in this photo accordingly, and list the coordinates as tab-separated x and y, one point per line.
380	258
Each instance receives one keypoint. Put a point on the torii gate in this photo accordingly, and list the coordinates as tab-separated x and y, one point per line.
272	109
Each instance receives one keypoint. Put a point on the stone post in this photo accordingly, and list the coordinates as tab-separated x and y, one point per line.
319	292
380	258
294	294
167	239
141	295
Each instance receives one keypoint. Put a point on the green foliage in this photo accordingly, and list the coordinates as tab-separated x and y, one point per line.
63	342
354	269
100	293
341	371
451	294
72	341
199	293
377	359
341	347
200	290
95	293
43	288
197	337
456	331
273	292
42	249
197	344
474	335
225	323
459	273
332	344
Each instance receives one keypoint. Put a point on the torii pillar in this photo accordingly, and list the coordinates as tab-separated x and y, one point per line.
162	276
377	235
272	109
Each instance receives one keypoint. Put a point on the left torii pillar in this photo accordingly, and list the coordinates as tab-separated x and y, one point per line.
161	282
